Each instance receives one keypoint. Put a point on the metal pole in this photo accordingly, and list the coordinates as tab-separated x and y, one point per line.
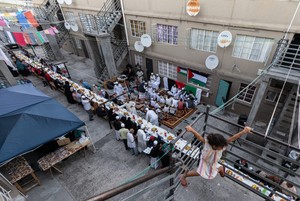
88	133
206	117
122	188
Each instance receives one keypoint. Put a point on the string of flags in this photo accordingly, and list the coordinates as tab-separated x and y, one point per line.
33	38
24	18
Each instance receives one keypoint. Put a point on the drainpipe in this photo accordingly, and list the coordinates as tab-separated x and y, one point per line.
126	33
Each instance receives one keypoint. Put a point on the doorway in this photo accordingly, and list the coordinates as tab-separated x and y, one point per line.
223	92
84	49
149	67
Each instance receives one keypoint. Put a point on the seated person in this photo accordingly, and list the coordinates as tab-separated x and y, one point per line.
289	187
190	103
175	102
166	109
241	163
169	101
85	84
173	109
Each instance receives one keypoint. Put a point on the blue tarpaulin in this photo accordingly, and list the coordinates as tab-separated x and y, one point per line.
29	118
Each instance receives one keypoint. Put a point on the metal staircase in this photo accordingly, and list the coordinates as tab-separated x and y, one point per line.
5	195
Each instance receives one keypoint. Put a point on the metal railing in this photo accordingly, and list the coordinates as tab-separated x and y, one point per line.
5	195
187	162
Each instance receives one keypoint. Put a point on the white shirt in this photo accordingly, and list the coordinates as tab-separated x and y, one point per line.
169	101
151	116
175	102
130	106
174	90
86	104
142	140
130	140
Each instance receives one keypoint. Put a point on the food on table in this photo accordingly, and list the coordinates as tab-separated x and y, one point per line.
282	199
153	129
255	187
187	147
126	113
140	121
170	137
229	172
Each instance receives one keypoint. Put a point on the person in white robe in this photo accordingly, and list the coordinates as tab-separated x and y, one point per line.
142	139
130	107
152	117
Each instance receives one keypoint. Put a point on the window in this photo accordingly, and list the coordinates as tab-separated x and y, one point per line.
78	43
247	94
166	69
167	34
138	28
138	60
88	22
252	48
204	40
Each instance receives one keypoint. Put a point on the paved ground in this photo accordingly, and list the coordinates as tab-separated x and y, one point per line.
85	176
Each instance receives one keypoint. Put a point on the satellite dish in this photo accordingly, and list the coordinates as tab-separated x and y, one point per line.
74	27
211	62
138	46
68	2
193	7
224	39
67	25
146	40
60	1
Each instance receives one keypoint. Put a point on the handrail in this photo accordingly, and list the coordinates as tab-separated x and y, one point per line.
122	188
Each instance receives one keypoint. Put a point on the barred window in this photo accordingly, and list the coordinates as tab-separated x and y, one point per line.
248	94
138	59
252	48
166	69
167	34
88	22
78	43
204	40
138	28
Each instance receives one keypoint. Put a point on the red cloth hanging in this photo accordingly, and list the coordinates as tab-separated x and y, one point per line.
27	38
19	38
31	19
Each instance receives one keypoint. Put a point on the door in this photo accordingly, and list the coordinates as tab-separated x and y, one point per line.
223	92
149	67
84	49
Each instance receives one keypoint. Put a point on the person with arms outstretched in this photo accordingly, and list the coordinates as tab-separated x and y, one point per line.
214	145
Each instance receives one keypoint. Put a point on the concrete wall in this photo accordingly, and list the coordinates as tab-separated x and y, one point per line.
260	18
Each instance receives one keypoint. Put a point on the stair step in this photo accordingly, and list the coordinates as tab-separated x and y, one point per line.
281	133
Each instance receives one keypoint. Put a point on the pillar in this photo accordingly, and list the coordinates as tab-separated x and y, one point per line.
258	99
94	53
105	45
7	74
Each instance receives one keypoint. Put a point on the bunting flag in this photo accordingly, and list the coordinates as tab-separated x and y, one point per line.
55	29
2	22
32	39
44	37
181	71
38	40
27	38
10	37
19	38
46	31
22	20
196	78
31	19
51	32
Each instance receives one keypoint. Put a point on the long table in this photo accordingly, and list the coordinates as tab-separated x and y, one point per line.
180	145
50	160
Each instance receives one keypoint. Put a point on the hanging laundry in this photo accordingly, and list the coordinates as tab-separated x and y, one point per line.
44	37
47	31
10	37
55	29
27	38
22	20
19	38
2	22
31	19
39	38
32	38
51	32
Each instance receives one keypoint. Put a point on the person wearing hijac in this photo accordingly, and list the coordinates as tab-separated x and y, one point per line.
214	145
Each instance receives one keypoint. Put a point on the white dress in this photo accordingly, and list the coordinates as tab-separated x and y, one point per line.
142	140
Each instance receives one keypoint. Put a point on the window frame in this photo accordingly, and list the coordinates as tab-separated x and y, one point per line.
200	40
139	58
165	39
137	26
245	93
263	52
170	70
78	43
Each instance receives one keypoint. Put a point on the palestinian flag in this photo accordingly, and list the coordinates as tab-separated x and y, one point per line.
196	78
181	71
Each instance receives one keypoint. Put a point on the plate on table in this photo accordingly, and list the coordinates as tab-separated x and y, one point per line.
153	129
140	121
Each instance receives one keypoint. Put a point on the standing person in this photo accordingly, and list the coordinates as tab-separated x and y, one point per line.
142	139
214	145
123	135
117	125
131	142
68	93
140	75
87	107
152	117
